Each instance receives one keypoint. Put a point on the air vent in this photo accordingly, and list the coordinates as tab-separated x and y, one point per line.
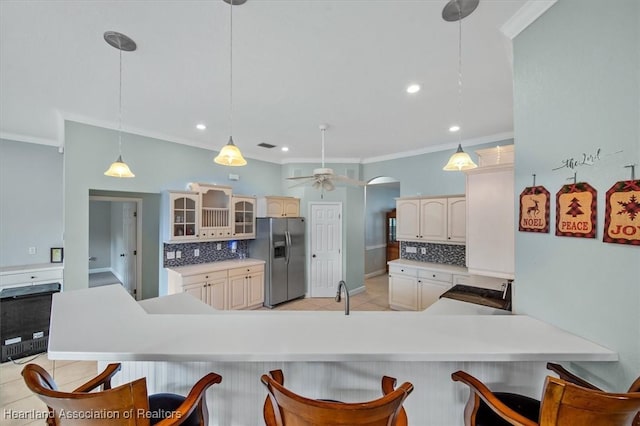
266	145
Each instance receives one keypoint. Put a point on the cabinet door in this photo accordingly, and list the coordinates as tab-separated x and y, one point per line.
217	294
433	219
215	204
491	222
430	291
407	220
291	207
403	292
457	219
197	290
255	289
244	217
237	292
183	217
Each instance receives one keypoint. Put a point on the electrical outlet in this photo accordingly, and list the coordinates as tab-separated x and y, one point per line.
218	246
178	254
411	249
171	255
32	250
196	252
423	250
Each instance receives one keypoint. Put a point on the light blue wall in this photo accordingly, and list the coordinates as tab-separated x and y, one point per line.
30	202
423	175
577	89
159	165
100	234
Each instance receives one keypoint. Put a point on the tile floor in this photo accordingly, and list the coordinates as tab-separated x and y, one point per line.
16	400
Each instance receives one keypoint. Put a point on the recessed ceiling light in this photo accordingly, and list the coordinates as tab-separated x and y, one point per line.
285	148
413	88
454	128
201	126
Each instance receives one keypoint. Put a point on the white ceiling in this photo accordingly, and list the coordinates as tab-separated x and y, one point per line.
297	63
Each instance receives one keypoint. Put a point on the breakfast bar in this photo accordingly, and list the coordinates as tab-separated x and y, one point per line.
174	340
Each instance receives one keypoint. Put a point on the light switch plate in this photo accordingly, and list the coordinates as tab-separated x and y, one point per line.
218	246
178	254
423	250
196	252
411	249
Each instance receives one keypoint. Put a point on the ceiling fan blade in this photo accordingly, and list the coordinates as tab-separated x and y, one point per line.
300	177
304	182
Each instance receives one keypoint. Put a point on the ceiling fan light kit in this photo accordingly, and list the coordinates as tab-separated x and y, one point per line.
457	10
119	168
323	178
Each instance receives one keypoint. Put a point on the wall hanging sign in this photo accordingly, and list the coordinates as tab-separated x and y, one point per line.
622	213
534	209
576	211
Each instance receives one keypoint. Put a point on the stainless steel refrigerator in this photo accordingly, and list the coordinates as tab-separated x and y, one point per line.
280	242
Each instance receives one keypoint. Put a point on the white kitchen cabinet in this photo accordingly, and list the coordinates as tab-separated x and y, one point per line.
416	288
222	288
183	216
244	217
246	287
276	206
491	221
403	288
431	219
215	211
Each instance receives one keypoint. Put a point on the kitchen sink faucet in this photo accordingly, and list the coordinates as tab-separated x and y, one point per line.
346	296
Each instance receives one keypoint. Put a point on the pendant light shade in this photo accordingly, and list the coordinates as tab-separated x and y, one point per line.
230	155
456	10
119	168
459	161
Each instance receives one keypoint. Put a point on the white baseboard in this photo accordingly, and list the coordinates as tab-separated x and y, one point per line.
97	270
360	289
375	273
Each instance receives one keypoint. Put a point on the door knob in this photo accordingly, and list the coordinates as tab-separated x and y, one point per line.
122	254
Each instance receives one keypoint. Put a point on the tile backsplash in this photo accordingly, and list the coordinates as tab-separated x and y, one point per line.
435	253
208	252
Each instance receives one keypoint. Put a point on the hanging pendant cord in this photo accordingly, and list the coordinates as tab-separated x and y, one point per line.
120	100
323	130
460	71
231	70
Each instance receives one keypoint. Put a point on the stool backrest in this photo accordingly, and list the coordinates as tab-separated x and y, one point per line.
291	409
566	404
119	406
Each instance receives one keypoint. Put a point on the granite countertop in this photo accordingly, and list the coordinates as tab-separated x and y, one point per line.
479	296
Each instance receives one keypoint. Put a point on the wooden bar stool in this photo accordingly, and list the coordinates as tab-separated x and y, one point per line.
285	408
127	404
562	404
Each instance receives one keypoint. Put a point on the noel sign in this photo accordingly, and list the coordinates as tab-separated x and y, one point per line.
534	209
576	210
622	213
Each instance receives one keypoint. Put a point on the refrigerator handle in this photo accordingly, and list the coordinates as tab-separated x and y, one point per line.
288	242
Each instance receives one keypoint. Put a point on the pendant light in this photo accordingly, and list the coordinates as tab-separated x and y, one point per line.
456	10
230	155
121	42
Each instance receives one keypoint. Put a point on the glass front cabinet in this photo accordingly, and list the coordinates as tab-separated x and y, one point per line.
183	216
244	217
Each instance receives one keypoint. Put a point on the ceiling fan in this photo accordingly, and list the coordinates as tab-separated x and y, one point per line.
323	178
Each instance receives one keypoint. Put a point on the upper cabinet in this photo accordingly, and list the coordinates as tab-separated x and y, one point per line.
272	206
244	217
439	219
183	215
491	218
208	213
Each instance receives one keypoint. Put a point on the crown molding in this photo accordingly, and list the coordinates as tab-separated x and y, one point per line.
524	17
29	139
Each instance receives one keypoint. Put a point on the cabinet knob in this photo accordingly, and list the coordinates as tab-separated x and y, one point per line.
33	276
206	276
434	275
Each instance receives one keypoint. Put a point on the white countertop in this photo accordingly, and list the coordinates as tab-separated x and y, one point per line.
442	267
106	324
179	303
214	266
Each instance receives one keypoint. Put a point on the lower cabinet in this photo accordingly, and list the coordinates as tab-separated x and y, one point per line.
415	288
236	288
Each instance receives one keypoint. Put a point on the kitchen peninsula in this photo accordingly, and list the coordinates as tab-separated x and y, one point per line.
323	354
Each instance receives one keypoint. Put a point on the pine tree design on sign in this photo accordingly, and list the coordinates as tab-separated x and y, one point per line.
576	212
622	213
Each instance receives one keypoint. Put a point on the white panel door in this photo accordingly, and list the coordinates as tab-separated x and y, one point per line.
326	248
130	245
